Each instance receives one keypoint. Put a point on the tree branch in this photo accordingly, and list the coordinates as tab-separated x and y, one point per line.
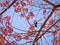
8	7
43	25
45	22
49	2
48	29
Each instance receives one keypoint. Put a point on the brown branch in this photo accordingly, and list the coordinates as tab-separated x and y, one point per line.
57	5
45	23
49	2
8	7
48	29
